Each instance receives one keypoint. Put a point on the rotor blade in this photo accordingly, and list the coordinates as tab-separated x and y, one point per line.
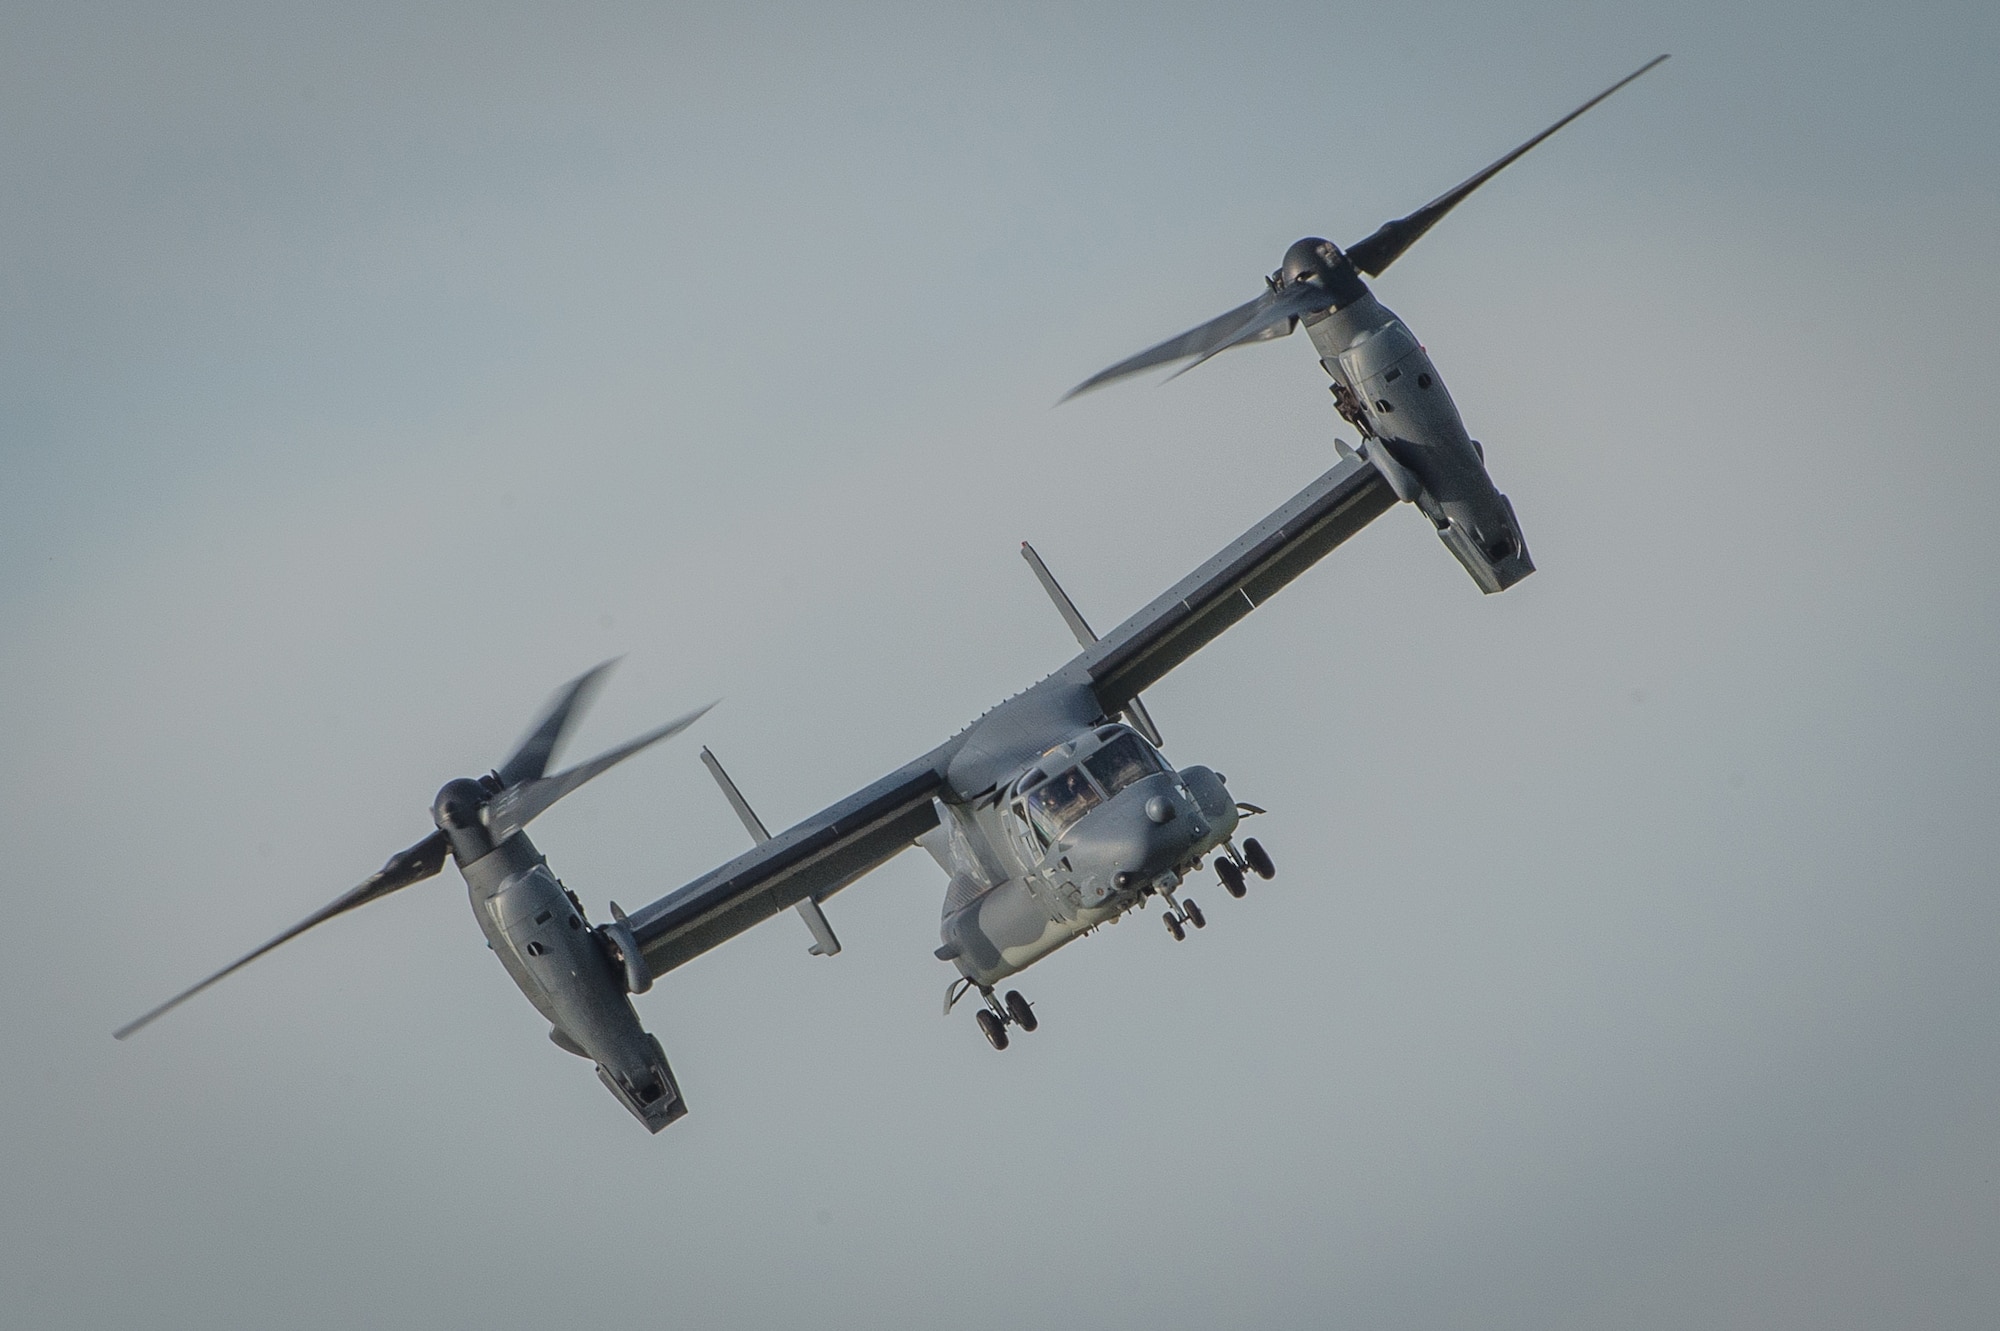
1222	331
517	806
414	865
1384	247
531	757
1279	320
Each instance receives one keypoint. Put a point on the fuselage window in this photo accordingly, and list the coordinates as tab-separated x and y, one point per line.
1032	837
1121	762
1061	800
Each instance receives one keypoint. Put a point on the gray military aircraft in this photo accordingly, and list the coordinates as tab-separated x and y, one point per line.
1053	814
578	977
1384	383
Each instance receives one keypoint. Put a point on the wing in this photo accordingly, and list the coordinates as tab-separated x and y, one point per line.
878	822
817	858
1135	655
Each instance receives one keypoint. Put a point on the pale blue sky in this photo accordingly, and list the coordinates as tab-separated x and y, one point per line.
363	375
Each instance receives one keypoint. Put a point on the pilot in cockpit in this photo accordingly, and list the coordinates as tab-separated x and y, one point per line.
1055	804
1058	802
1121	762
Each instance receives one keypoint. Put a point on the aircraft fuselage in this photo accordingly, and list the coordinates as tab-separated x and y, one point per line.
1029	874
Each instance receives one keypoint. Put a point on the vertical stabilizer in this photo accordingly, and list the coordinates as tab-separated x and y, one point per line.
825	944
1135	711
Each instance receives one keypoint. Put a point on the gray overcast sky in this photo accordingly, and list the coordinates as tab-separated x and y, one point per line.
366	371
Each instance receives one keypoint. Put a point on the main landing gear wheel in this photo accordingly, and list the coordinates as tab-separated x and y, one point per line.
1019	1011
992	1028
1192	913
1174	927
1231	874
1259	858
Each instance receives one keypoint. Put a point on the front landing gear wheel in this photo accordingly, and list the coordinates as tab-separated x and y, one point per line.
1174	927
1231	874
1020	1012
1260	859
1193	915
990	1026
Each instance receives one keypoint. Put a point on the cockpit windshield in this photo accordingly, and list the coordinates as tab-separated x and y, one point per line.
1061	800
1121	762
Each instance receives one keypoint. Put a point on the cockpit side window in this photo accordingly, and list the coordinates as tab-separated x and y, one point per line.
1061	800
1033	838
1121	762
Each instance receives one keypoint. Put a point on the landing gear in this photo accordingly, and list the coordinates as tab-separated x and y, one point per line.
997	1016
1258	858
1180	914
1231	874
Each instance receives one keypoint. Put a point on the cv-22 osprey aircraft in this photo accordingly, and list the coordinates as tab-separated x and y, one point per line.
1055	812
1384	383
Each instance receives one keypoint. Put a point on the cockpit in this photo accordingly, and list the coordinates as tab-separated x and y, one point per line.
1074	778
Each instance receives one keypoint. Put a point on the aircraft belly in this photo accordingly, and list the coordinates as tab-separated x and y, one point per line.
1053	935
1006	930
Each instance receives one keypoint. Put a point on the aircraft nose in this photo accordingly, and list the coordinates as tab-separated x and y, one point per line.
1151	839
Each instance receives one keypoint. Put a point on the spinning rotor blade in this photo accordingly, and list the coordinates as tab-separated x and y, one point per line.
1278	321
1273	314
517	806
1390	239
414	865
531	758
1222	331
